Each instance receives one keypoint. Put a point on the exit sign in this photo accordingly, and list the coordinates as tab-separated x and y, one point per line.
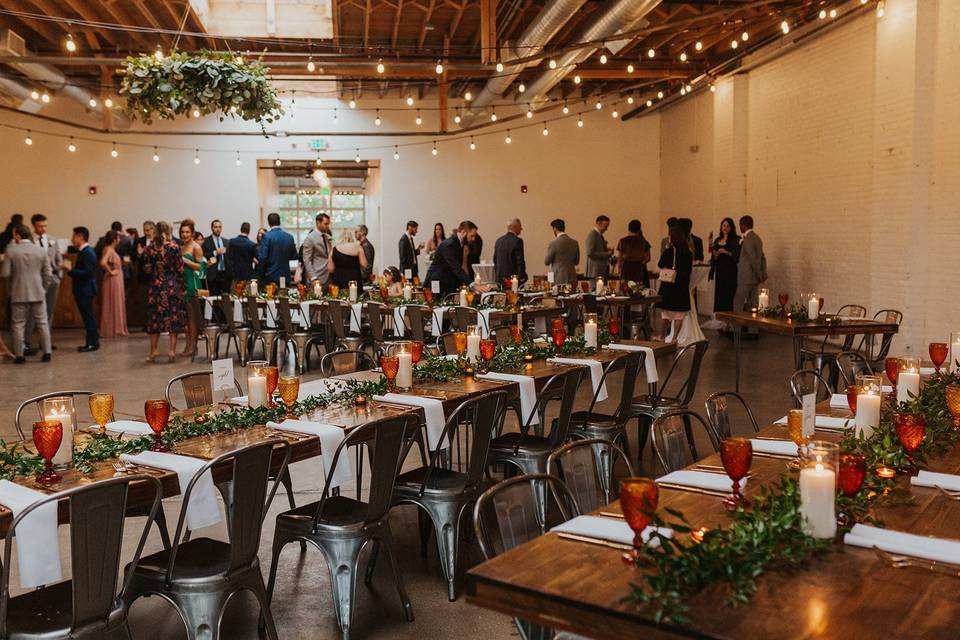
318	144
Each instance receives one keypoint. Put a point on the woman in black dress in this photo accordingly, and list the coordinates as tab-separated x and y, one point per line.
345	262
676	294
724	253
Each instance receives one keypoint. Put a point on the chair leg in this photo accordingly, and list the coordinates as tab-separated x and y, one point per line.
372	562
255	586
160	519
342	557
200	613
446	524
387	540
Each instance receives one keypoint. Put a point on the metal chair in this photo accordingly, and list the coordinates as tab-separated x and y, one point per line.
586	474
197	388
506	516
806	381
339	323
671	431
503	335
199	577
445	343
291	334
87	606
886	339
380	335
719	412
235	331
340	526
418	316
211	331
824	357
649	407
337	363
260	333
445	492
465	316
849	365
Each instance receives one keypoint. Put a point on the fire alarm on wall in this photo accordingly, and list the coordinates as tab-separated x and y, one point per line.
92	190
523	188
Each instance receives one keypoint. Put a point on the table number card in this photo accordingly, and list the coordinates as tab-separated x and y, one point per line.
550	277
222	374
809	408
408	274
435	286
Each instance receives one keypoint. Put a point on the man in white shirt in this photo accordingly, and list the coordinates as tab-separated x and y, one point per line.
215	252
49	244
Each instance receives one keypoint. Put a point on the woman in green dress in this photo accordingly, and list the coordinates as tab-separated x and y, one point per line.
194	272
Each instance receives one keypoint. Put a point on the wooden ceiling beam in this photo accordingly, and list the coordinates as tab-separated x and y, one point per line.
396	24
426	21
488	30
118	14
366	24
43	29
151	20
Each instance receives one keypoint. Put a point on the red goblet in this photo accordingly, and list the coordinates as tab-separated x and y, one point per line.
47	436
613	325
892	367
390	366
638	501
938	354
737	455
384	294
853	470
585	286
517	332
559	337
783	298
157	413
557	323
911	430
488	348
852	392
416	351
428	295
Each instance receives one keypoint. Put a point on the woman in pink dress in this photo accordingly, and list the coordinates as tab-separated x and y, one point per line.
113	304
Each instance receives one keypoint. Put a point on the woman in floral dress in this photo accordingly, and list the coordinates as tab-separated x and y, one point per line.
166	305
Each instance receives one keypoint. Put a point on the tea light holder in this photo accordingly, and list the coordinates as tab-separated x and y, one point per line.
360	401
886	473
868	404
61	409
699	534
753	311
818	490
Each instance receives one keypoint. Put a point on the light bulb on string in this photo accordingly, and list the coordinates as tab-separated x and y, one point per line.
434	150
35	94
419	120
499	67
545	131
689	88
396	153
713	88
277	162
734	43
508	139
833	13
683	56
881	8
649	103
156	155
468	96
72	147
311	67
785	27
615	113
70	44
457	118
196	156
45	97
576	78
698	45
409	101
493	115
113	152
473	145
29	139
92	103
823	14
683	91
660	95
356	158
599	105
238	162
745	36
377	121
603	58
580	122
552	64
196	113
108	102
629	99
439	67
380	67
521	87
630	68
651	53
566	109
529	112
352	103
318	161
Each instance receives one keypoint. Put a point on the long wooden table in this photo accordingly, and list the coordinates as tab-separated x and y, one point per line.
797	330
848	593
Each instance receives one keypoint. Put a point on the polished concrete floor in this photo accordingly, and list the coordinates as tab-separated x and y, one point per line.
302	603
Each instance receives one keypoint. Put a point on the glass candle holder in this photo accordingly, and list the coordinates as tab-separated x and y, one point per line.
818	489
954	356
61	409
763	299
868	401
908	378
403	350
256	384
590	328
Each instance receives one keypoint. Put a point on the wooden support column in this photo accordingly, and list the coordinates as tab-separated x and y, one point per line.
488	30
442	86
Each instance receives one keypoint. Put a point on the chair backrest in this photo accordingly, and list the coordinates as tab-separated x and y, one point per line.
344	361
251	313
562	387
338	319
886	339
446	343
250	500
577	463
417	316
80	399
692	356
286	319
853	311
674	438
197	387
375	319
497	299
385	442
97	517
807	381
503	335
226	307
850	364
575	312
507	514
465	316
726	408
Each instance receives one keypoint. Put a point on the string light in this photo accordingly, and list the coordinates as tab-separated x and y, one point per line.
552	64
698	45
468	96
113	152
277	162
545	131
734	43
822	14
380	67
689	88
493	115
580	122
108	103
28	140
785	27
660	95
473	145
529	111
156	155
651	53
457	117
522	87
45	97
434	150
683	91
158	54
196	156
409	101
352	103
396	153
576	78
566	109
833	13
615	113
238	163
630	99
649	103
377	121
683	56
196	113
744	36
508	139
439	68
35	94
419	120
72	147
311	67
629	68
713	88
603	58
318	160
92	102
356	158
880	9
599	105
499	67
69	44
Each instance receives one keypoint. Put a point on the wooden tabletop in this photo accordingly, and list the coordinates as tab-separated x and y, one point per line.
848	593
785	327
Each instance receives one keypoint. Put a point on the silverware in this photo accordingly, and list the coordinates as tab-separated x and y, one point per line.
288	434
611	514
769	438
760	454
597	541
900	561
720	472
683	487
952	495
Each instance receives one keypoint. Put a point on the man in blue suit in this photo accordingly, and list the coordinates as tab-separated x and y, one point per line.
84	276
241	253
277	249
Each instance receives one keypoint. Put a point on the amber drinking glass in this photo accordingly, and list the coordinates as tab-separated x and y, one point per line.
911	430
289	392
460	341
938	354
952	393
488	348
517	333
512	298
384	294
428	295
470	296
47	435
559	337
853	470
416	351
390	366
272	374
853	391
795	428
737	456
638	501
101	408
892	367
783	299
157	413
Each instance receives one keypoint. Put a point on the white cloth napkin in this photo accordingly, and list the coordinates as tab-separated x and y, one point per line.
398	324
947	481
701	480
528	393
207	309
432	410
596	373
609	529
237	311
774	447
356	312
649	361
38	547
438	314
927	371
202	510
330	438
271	316
927	548
483	316
127	427
839	401
825	422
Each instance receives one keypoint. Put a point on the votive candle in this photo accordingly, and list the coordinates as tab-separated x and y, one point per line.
473	345
353	291
763	300
256	390
407	292
404	378
868	413
590	331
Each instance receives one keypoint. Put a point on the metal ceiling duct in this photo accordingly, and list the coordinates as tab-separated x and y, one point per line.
21	93
551	18
618	17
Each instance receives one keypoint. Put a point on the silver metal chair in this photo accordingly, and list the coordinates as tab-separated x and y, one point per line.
726	408
673	439
337	363
849	365
380	336
806	381
446	344
454	477
418	317
587	475
339	321
291	334
197	388
260	332
867	344
340	526
233	330
465	316
211	331
823	357
199	577
87	606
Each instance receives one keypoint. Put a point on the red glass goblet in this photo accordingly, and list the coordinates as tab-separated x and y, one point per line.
911	430
638	501
488	348
852	392
384	294
416	351
892	368
853	470
517	332
157	413
47	436
737	456
938	354
559	337
783	298
613	325
557	323
390	366
428	295
585	286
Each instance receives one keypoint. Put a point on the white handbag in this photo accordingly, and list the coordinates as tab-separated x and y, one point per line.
670	275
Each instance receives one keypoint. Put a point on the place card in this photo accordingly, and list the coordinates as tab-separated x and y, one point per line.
809	407
435	286
222	374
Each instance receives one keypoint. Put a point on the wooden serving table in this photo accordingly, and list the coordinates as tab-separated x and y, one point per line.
847	593
798	331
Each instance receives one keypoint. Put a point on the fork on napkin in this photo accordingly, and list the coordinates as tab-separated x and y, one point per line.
609	530
909	544
713	482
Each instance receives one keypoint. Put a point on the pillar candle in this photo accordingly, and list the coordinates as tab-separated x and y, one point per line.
317	290
763	300
954	355
353	292
473	346
405	370
253	287
908	382
550	277
818	488
590	335
813	308
64	454
463	297
477	280
407	292
514	284
868	413
599	286
283	282
256	390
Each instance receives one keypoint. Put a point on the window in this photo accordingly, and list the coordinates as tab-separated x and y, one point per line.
298	206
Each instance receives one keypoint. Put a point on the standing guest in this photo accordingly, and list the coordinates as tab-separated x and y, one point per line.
368	250
598	252
6	237
665	242
508	260
751	266
260	233
84	276
316	252
113	303
346	263
166	309
676	294
563	254
27	267
215	251
633	254
241	255
447	267
439	235
55	257
472	251
194	272
409	250
276	251
391	279
116	226
695	242
143	274
724	253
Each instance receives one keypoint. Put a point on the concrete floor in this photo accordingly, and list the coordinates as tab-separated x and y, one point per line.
302	603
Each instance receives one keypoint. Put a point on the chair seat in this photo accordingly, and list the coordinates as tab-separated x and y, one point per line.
646	403
339	512
197	561
593	420
441	481
41	613
532	444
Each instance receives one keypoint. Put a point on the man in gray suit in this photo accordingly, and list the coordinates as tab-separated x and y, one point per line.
598	252
28	269
52	247
751	267
316	249
563	255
